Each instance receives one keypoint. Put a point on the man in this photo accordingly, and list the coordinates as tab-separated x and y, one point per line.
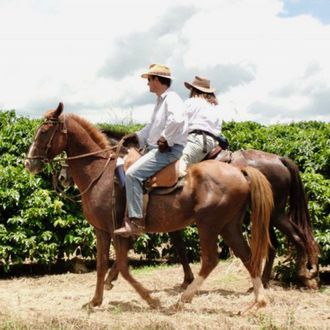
164	137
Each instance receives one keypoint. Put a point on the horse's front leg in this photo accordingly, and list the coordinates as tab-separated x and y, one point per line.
122	248
114	271
102	259
112	276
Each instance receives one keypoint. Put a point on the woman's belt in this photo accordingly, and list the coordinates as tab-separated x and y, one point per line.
204	133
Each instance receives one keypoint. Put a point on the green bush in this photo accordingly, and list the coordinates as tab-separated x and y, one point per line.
37	225
308	144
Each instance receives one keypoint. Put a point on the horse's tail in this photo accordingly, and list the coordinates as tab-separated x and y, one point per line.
298	208
261	207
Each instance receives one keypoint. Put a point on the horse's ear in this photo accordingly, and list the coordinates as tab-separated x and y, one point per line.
59	109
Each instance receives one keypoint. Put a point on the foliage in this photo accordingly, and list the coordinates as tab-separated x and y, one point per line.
119	129
308	144
38	225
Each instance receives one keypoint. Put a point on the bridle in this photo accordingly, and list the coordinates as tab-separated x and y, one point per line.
56	123
60	124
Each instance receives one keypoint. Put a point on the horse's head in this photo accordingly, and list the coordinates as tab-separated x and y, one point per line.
49	140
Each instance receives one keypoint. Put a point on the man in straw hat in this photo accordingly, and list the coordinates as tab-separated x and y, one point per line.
164	137
203	122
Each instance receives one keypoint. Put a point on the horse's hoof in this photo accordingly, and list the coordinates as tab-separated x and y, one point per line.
312	284
154	303
254	306
108	286
178	306
88	307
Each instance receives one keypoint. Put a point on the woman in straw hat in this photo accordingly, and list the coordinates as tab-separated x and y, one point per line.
203	122
164	137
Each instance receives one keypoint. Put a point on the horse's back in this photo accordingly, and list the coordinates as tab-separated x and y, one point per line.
212	190
217	171
268	164
219	182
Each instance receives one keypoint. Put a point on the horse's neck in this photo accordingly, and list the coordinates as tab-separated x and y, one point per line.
83	169
79	142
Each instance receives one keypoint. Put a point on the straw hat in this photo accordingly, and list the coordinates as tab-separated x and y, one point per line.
202	84
159	70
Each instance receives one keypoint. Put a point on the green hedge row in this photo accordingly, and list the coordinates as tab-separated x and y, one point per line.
35	223
38	225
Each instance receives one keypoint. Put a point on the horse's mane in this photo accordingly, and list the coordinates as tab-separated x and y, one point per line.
112	134
98	137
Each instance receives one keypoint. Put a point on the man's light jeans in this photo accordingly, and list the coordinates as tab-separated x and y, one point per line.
143	169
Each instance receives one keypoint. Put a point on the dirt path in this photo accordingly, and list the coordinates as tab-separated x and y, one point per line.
54	302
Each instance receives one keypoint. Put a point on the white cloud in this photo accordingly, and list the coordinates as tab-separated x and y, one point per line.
90	54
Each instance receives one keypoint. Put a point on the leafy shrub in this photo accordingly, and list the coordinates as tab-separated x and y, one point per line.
39	226
36	225
308	144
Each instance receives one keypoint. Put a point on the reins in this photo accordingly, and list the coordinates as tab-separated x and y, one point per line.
72	198
86	155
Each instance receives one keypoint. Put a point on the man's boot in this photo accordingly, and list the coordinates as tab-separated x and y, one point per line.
132	227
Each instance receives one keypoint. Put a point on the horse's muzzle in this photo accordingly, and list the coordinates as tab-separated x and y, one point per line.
33	165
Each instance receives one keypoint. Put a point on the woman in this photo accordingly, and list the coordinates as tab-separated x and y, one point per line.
203	122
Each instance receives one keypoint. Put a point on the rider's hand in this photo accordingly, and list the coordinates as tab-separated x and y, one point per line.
130	139
162	145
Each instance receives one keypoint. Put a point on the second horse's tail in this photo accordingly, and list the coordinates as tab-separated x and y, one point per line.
298	208
261	207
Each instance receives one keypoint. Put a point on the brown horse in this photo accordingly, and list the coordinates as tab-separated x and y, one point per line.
214	196
288	190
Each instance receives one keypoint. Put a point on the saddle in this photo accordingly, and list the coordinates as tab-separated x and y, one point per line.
168	177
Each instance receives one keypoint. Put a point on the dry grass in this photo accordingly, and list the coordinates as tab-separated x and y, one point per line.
55	301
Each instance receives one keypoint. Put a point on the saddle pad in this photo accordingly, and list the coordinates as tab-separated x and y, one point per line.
166	177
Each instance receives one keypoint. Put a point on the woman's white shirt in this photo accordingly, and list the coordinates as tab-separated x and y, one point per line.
202	115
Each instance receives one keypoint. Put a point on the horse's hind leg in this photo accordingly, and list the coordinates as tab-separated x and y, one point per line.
209	256
178	242
270	260
122	247
233	237
103	246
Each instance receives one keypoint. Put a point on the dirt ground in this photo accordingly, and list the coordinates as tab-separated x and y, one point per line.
55	302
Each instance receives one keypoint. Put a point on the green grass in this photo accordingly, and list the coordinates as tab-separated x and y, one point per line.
149	269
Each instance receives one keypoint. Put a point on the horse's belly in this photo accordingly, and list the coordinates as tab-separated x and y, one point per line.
164	214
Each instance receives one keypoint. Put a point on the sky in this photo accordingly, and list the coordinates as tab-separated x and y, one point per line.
267	59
